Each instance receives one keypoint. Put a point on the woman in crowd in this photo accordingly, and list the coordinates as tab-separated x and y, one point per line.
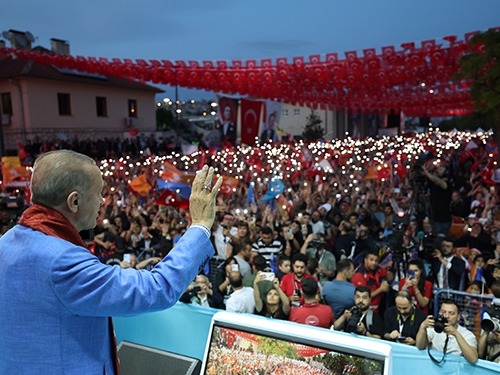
276	305
243	236
416	284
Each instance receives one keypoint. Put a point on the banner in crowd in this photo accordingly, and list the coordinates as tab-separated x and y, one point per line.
174	175
250	119
271	121
228	112
14	174
140	185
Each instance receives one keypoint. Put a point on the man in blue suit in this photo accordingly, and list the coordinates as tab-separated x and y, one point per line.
56	298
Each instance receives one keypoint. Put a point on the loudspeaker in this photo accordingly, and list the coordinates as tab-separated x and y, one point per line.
138	359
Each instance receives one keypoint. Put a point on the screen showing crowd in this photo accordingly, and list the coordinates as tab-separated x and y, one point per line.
238	352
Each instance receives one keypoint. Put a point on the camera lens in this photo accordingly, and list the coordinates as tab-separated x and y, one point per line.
440	321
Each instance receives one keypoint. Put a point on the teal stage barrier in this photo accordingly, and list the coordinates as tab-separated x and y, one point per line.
183	329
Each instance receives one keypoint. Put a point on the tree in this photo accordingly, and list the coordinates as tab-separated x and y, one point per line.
482	67
313	129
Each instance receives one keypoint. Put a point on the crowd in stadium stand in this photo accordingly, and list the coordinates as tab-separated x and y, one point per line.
381	225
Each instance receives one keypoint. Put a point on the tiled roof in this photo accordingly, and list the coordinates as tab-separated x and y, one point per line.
23	68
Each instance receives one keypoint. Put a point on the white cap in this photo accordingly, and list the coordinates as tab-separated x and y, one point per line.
326	206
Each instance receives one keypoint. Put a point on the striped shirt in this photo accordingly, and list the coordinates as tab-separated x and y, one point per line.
267	251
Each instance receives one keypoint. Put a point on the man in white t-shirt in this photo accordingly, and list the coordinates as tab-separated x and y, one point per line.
241	300
454	339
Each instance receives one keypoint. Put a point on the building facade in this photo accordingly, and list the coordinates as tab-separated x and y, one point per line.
50	103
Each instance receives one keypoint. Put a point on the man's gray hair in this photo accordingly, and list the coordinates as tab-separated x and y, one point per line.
57	173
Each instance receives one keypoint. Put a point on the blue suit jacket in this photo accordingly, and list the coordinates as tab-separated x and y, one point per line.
56	297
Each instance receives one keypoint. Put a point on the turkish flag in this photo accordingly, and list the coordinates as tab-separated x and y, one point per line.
250	117
168	198
228	185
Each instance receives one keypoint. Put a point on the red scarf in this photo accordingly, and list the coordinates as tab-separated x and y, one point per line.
53	223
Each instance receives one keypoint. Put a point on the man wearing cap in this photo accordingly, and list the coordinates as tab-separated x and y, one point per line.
440	192
314	248
324	210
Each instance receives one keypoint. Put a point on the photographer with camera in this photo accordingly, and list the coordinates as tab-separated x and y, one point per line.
443	333
201	293
314	248
360	318
362	243
440	197
489	342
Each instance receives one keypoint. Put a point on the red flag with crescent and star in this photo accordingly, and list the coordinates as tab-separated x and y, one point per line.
250	118
169	198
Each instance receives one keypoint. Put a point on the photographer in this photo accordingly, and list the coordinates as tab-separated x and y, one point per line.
443	333
314	248
200	293
360	318
489	342
403	320
440	197
364	242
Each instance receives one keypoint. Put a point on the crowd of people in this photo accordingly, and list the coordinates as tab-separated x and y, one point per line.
359	237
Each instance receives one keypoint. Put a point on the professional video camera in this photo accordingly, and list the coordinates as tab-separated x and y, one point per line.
319	242
352	323
439	322
419	177
13	207
400	221
491	317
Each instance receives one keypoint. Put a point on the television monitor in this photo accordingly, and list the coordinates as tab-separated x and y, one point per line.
249	344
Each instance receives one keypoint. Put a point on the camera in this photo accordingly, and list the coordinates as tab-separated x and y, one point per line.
352	323
317	244
491	319
363	233
439	322
297	292
196	289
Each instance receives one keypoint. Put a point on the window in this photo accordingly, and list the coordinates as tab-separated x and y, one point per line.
296	112
101	106
132	108
64	103
285	113
6	104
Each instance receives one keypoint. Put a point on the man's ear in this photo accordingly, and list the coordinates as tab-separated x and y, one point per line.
72	201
